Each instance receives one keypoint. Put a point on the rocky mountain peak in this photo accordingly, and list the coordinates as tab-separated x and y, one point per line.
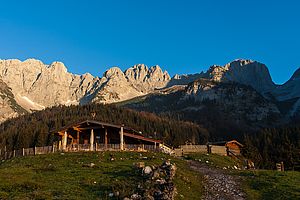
238	63
35	85
58	67
156	74
176	77
87	76
10	61
246	72
114	72
137	72
32	61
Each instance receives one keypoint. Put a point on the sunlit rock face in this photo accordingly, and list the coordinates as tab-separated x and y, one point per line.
136	81
246	72
8	106
35	85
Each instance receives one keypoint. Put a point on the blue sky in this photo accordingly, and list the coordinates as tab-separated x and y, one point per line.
181	36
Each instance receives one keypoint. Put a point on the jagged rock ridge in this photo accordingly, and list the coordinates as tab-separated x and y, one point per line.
35	85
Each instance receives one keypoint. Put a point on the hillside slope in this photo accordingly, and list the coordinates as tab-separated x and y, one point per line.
71	176
34	129
225	109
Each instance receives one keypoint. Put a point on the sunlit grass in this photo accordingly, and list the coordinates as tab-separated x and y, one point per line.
68	176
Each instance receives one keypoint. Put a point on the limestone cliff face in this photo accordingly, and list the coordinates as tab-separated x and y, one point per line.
145	79
136	81
35	85
246	72
8	106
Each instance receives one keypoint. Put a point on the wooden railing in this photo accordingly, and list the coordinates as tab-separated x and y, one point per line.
5	155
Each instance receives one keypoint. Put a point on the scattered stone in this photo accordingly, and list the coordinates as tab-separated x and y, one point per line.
158	184
111	194
92	164
136	197
111	157
147	170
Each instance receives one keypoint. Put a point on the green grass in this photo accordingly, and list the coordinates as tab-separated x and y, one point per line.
214	160
267	184
66	176
258	184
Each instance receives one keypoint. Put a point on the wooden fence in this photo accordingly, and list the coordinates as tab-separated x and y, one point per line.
5	155
186	149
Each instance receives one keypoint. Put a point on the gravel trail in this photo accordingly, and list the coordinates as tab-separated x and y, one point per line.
218	183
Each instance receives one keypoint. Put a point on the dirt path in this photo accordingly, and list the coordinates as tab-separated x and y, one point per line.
218	184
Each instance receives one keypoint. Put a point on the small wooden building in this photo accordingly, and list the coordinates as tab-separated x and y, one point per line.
228	148
95	135
234	147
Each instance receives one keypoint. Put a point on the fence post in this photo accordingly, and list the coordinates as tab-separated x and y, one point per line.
34	151
23	152
14	155
53	148
96	147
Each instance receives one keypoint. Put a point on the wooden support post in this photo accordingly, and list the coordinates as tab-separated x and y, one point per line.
34	150
14	155
92	140
121	139
227	151
23	152
96	146
64	140
78	139
105	139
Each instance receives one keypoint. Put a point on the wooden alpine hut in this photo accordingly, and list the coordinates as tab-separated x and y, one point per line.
91	135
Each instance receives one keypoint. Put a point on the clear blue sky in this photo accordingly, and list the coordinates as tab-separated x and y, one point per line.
181	36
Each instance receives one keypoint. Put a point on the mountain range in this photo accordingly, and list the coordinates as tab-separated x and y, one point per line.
241	90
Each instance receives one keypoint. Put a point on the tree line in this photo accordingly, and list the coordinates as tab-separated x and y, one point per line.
34	129
273	145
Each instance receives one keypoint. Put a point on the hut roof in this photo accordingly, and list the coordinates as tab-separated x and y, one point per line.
88	124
